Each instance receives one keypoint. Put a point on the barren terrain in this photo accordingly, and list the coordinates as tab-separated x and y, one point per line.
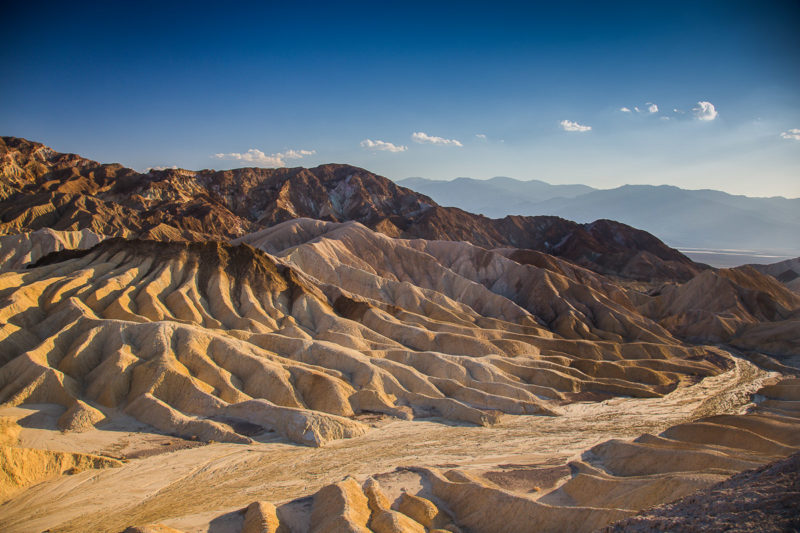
201	484
341	375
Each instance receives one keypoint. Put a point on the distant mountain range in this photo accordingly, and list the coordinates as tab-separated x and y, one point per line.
681	218
494	198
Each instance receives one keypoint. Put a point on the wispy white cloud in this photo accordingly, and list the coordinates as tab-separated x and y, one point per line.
569	125
481	136
260	159
171	167
295	154
793	133
424	138
705	111
257	157
382	146
649	109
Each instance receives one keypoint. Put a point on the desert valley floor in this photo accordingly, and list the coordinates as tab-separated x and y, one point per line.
291	350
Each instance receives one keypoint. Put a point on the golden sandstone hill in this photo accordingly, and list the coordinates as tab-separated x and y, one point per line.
184	343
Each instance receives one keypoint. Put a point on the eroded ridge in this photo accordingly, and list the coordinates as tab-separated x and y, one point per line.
197	338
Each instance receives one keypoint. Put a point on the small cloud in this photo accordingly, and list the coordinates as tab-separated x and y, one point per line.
569	125
649	108
424	138
295	154
664	118
676	110
254	156
793	133
382	146
260	159
172	167
480	136
705	111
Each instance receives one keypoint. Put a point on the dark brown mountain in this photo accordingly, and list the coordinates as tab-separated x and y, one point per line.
42	188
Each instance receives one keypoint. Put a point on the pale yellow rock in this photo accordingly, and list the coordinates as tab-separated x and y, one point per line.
341	507
376	498
261	517
383	518
420	509
394	522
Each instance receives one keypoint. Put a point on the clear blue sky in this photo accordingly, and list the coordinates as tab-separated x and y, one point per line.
514	84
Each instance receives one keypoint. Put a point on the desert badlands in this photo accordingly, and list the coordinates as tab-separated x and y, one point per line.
292	350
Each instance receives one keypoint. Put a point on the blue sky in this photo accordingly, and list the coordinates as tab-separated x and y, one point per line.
512	86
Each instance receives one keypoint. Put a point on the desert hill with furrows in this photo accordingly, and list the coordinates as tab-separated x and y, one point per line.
293	350
339	321
41	188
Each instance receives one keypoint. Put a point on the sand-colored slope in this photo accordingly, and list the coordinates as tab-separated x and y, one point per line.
195	338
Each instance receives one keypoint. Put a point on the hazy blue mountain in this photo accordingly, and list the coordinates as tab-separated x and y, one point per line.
684	218
681	218
496	197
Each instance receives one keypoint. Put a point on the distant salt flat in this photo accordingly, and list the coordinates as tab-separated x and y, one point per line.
727	258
